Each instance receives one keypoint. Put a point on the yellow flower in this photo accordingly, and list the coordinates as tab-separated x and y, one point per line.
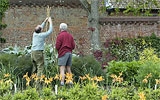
87	76
42	77
117	79
28	81
142	96
56	77
36	78
145	81
51	79
100	78
27	84
26	75
105	97
120	80
68	81
33	76
95	78
69	78
82	78
47	81
6	75
157	81
149	75
120	74
113	76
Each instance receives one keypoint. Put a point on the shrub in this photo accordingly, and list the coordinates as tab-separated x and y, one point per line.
126	49
47	94
148	71
15	65
149	68
86	65
128	69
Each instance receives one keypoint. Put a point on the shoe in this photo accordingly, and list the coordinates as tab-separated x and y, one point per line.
70	83
62	83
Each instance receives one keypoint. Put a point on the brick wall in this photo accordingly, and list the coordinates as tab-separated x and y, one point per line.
129	29
22	20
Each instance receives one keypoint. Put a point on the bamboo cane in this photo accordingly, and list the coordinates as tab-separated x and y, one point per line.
48	15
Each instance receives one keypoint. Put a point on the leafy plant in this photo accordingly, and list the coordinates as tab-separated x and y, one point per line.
31	94
149	69
3	7
128	69
47	94
51	65
86	65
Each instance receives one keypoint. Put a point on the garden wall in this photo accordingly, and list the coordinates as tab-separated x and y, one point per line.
21	21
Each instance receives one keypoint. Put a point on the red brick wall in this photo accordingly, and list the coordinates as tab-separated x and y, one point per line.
22	20
129	30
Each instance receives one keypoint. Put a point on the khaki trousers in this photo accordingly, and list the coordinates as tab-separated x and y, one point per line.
37	58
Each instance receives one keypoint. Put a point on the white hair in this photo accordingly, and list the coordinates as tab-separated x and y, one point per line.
63	26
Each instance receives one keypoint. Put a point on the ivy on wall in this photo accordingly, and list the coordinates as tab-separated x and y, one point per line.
4	4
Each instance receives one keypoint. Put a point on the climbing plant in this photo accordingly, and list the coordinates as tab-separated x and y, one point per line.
4	4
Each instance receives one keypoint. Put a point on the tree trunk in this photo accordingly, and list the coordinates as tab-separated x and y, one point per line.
91	6
94	25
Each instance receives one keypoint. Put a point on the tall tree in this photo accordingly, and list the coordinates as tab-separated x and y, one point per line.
91	6
132	6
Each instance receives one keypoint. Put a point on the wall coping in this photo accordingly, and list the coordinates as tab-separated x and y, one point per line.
130	19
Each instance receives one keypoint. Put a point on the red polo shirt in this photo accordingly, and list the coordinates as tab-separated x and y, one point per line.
64	43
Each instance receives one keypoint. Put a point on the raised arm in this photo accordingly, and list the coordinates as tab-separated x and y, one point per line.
50	25
43	23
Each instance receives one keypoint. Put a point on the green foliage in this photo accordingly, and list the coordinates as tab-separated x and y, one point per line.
121	93
4	4
128	69
47	94
150	66
135	72
4	87
75	93
16	66
145	69
86	65
19	96
31	94
8	96
51	63
149	94
89	91
128	49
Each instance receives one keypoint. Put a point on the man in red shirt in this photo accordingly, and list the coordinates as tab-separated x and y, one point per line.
64	45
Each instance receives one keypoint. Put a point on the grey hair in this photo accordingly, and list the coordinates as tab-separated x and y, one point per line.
63	26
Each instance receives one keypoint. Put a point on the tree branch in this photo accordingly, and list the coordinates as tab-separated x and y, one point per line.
86	5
